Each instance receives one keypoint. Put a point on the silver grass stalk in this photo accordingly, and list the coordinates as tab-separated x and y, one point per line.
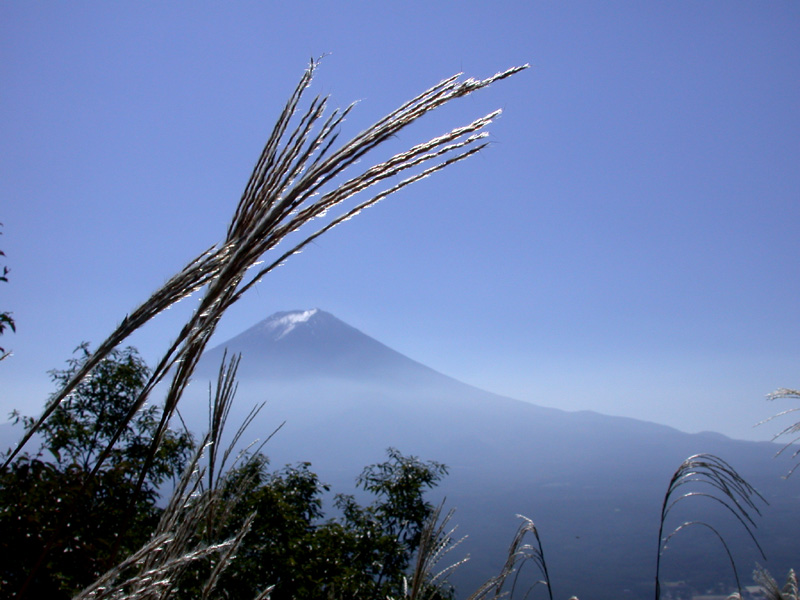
287	189
790	434
436	542
519	553
728	489
197	504
152	571
772	590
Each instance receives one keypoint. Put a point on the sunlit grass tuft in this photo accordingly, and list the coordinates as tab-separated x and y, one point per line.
728	489
791	433
520	552
772	590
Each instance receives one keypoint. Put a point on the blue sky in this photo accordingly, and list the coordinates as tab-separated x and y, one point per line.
627	244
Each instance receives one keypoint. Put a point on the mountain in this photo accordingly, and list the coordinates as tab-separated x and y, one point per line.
593	484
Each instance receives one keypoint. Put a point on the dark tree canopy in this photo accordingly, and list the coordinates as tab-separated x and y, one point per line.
63	526
364	553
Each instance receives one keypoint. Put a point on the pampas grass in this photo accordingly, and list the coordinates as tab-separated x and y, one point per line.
436	542
728	489
292	184
772	590
200	506
520	552
289	187
790	434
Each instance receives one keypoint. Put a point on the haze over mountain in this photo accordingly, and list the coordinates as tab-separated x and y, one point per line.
593	484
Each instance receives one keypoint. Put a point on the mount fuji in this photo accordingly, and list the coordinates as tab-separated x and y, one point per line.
593	484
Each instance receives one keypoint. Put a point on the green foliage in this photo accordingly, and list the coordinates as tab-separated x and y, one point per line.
396	518
64	520
87	421
6	320
364	553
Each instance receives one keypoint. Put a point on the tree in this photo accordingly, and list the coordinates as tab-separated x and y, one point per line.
6	320
64	521
395	519
365	553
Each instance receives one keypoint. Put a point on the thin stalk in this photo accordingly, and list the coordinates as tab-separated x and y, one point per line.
729	490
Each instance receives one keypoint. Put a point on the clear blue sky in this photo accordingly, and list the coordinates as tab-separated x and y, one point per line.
628	244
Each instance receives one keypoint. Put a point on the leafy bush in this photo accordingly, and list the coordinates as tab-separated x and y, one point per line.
366	552
66	516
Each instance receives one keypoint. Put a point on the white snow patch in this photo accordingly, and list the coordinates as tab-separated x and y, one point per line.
280	327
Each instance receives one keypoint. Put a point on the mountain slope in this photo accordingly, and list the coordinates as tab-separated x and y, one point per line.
592	483
315	344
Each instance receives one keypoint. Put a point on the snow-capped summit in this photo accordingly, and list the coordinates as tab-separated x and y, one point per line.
279	324
311	343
